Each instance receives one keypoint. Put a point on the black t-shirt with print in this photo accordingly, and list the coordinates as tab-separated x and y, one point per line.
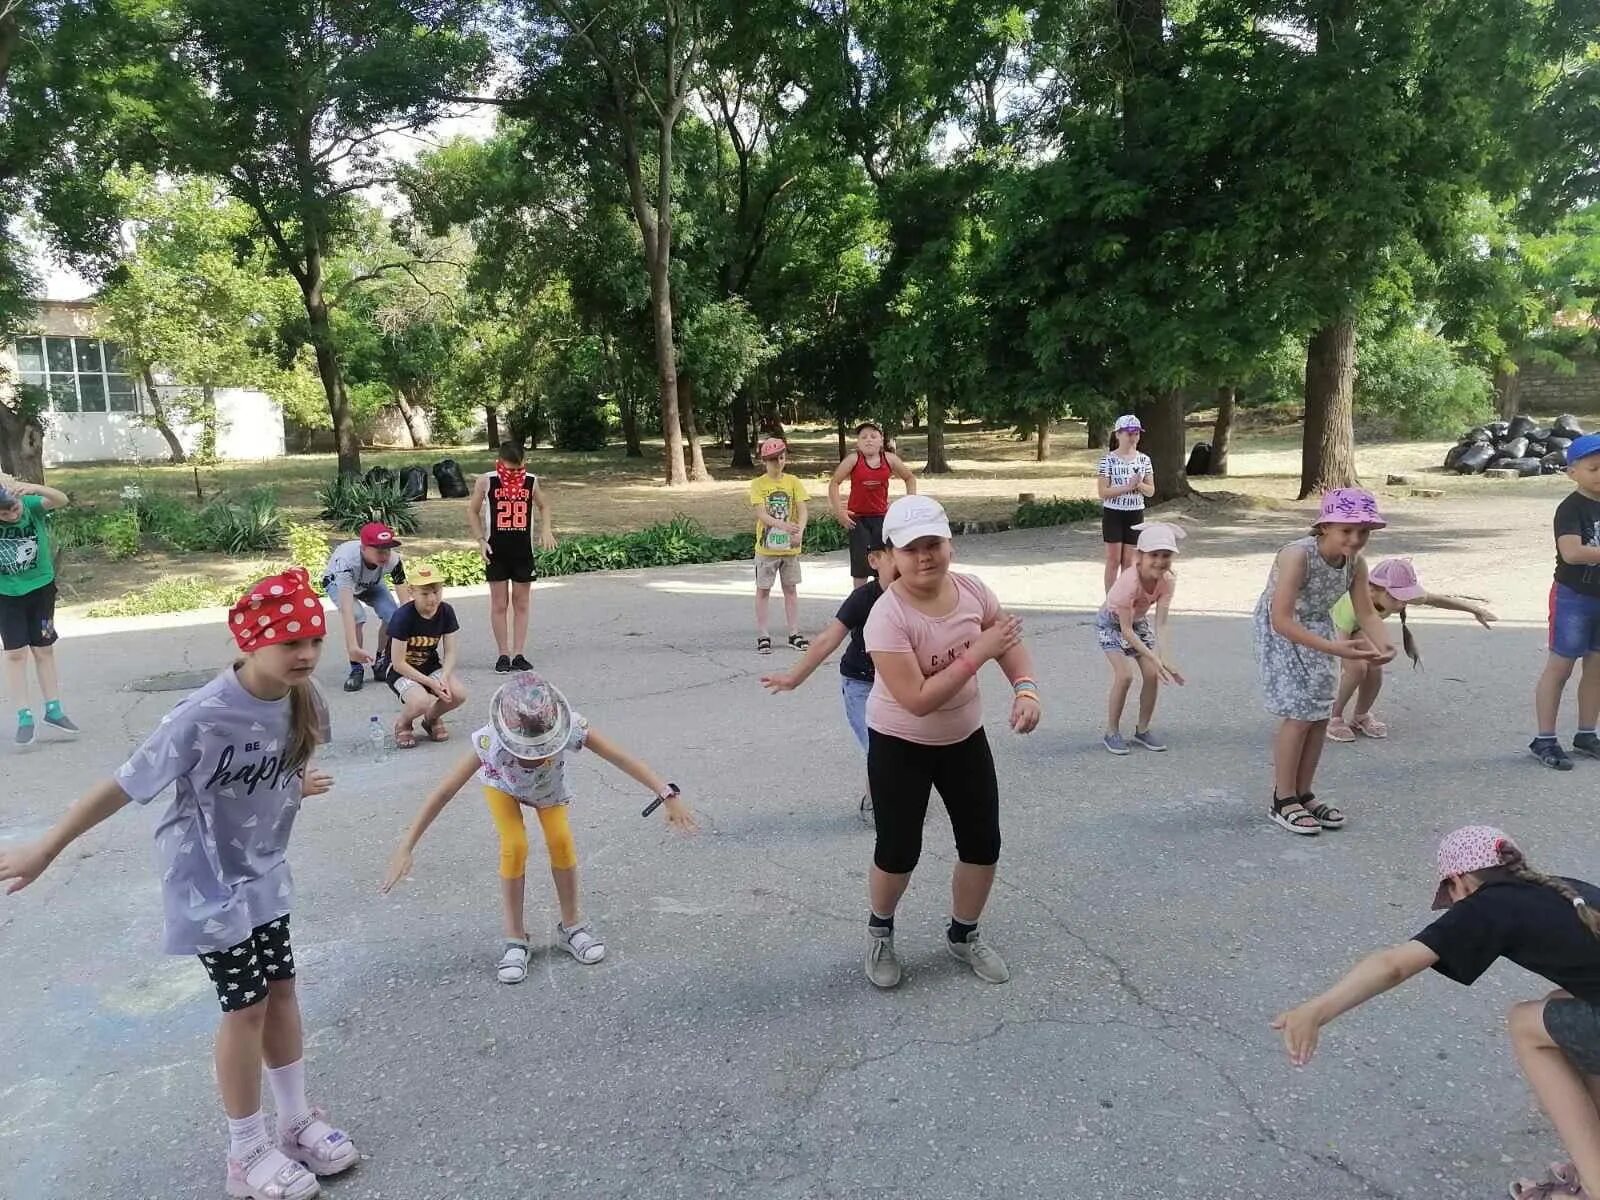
1528	923
855	662
1579	516
422	635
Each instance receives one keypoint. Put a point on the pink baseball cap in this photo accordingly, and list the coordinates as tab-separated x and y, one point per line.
1350	506
773	447
1399	578
1470	848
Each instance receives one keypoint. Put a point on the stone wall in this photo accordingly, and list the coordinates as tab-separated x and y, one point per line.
1542	390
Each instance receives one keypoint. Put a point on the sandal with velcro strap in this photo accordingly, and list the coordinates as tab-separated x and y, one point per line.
1288	813
1324	814
318	1146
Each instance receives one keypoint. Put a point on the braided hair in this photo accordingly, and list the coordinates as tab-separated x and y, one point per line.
1409	642
1516	866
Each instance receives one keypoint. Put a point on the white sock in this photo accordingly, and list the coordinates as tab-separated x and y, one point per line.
288	1084
245	1134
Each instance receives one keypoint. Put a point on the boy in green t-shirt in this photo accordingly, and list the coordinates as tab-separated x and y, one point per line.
780	503
28	599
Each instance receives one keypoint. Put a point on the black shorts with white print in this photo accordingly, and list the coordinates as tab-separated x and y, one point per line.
241	973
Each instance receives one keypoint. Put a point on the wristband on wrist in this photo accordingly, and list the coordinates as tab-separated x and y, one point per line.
672	794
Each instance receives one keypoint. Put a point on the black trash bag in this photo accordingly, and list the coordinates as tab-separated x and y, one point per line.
1540	435
414	483
452	483
1475	459
1555	462
1566	425
1538	447
1514	447
1521	426
1560	443
380	475
1522	466
1454	455
1478	433
1199	459
1499	429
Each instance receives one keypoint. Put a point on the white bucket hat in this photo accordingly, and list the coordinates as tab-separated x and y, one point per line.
533	719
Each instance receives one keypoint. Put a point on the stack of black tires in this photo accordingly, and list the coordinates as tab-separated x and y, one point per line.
1519	445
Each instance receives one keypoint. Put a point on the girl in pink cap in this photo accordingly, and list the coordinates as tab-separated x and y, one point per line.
1296	644
1497	906
1394	585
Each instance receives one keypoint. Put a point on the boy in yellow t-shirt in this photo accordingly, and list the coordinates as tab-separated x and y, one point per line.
780	503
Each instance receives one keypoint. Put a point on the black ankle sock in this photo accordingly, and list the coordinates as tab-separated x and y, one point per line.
960	931
874	921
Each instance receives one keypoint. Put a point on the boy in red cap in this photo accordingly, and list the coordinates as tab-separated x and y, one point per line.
780	503
354	579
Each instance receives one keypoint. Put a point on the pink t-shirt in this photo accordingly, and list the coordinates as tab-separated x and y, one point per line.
897	627
1127	594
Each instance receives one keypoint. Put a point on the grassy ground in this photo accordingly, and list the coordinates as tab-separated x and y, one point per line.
608	492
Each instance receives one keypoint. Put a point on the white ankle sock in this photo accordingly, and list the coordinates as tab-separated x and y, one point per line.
288	1084
245	1134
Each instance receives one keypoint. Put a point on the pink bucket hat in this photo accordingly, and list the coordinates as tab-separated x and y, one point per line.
1399	578
1470	848
773	447
1350	506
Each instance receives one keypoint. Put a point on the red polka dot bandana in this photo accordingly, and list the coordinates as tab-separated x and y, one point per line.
279	608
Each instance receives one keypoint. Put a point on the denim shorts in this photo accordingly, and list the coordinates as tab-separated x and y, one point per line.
855	693
378	596
1574	622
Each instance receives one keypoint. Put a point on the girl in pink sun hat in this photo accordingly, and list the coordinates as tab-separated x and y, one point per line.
1497	906
1394	586
1296	645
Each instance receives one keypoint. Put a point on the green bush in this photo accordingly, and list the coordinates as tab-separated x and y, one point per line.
308	548
1036	514
175	594
119	533
1410	382
822	535
252	522
460	568
75	528
350	503
168	519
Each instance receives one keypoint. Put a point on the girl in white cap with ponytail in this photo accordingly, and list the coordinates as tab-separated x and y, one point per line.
1497	906
1124	478
1125	634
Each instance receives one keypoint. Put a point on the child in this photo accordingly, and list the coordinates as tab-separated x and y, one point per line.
855	666
928	635
1574	612
239	751
868	468
1123	628
499	502
28	600
780	503
1498	906
422	657
520	758
1295	646
1393	584
1123	479
355	573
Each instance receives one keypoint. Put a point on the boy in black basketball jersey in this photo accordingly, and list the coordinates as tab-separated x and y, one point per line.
499	512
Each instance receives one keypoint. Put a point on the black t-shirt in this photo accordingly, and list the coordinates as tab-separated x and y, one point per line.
1528	923
1580	516
422	635
855	662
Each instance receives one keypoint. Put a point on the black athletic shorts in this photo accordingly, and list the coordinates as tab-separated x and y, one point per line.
510	559
29	619
1116	525
868	532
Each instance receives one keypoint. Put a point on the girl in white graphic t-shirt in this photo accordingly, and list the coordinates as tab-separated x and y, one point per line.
520	758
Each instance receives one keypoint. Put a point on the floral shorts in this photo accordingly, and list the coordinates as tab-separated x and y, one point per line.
241	973
1108	629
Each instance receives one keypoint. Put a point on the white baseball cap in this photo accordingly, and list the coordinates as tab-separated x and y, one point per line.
1158	535
1127	421
913	517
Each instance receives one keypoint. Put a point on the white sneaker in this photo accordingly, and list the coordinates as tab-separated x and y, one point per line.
513	965
580	943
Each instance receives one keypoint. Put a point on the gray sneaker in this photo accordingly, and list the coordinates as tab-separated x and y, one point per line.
1587	744
1114	743
25	732
883	968
1148	740
62	722
983	958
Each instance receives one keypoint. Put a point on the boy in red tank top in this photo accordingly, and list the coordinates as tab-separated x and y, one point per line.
868	468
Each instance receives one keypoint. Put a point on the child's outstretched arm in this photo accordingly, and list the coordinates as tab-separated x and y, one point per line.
1370	977
677	812
829	640
1163	644
21	866
400	863
1480	611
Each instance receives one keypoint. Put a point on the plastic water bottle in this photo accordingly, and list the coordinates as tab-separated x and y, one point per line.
377	739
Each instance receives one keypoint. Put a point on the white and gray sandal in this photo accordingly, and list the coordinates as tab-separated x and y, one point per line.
513	965
580	943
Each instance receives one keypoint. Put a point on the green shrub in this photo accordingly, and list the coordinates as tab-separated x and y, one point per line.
119	533
822	535
1036	514
168	519
308	548
234	526
350	503
460	568
75	528
174	594
1409	381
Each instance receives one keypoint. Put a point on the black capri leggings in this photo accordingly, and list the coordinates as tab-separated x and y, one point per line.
902	773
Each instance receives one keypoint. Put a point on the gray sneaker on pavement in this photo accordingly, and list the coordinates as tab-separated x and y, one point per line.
983	958
1114	743
1587	744
1148	740
883	968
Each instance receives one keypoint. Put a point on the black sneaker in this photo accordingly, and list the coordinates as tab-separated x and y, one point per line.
1587	744
502	665
25	732
1549	752
61	721
380	670
521	664
356	679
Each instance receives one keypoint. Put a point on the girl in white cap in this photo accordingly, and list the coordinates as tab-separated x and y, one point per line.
1500	907
1394	585
1123	628
1124	478
520	758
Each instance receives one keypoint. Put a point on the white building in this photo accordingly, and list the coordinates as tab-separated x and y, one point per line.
98	410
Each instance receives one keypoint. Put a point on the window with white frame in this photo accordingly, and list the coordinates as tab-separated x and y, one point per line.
81	374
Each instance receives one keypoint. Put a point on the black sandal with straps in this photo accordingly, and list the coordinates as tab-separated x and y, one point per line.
1324	814
1288	813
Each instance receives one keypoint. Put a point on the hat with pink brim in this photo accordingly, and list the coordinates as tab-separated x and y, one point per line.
1399	578
1350	506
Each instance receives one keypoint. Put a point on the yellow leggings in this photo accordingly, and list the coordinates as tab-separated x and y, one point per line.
507	814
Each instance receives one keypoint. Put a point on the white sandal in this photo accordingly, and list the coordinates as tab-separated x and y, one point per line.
513	965
318	1146
266	1173
580	943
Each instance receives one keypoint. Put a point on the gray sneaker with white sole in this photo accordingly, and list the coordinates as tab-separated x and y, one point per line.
883	967
983	958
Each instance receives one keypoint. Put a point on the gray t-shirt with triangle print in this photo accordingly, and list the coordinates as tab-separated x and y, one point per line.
221	843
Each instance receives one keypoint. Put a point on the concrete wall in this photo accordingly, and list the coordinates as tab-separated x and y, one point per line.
1542	390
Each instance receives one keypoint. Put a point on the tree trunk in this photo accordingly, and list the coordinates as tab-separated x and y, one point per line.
21	445
205	452
1161	414
158	418
1099	429
839	428
667	372
740	432
1328	453
937	463
630	423
1222	431
491	425
1507	389
697	458
1041	439
411	416
346	444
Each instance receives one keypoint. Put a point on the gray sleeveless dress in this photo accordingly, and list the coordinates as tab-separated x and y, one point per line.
1298	682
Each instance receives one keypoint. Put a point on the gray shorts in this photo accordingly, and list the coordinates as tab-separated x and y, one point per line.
783	567
1574	1025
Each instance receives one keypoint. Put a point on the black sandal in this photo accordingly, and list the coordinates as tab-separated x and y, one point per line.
763	644
1290	814
1325	814
799	642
